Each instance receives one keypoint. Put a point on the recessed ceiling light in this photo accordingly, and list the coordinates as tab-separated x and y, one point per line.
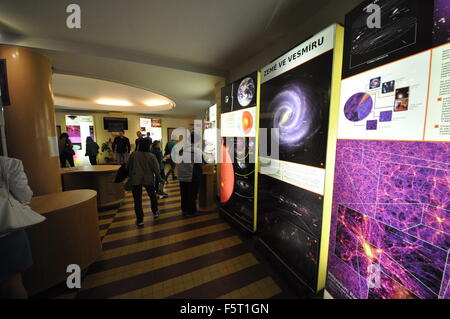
114	102
156	102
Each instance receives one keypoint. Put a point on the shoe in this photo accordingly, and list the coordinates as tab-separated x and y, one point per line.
156	214
140	224
190	214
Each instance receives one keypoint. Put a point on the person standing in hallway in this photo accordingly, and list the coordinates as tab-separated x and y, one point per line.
167	154
143	171
92	150
149	137
189	176
15	252
156	150
121	146
66	151
138	140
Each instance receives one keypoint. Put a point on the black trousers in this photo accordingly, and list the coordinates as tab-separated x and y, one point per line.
93	159
137	196
189	194
171	170
66	158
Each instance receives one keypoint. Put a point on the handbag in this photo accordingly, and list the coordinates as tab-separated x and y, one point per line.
122	174
13	214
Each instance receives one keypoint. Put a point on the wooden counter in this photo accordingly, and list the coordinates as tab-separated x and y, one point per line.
99	178
207	192
69	235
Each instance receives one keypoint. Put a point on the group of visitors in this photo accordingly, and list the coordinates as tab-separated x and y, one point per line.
66	151
146	169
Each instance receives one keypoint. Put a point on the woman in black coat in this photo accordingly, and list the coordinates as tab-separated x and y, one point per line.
66	151
92	150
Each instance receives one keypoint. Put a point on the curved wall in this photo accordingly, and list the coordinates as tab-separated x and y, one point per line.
30	119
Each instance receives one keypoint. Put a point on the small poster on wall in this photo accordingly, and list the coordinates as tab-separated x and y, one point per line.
152	126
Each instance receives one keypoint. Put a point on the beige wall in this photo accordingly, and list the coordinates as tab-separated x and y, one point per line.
103	135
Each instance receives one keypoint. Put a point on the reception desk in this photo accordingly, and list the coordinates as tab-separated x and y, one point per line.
99	178
69	235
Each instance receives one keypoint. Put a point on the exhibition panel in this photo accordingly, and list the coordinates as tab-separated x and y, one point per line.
402	28
296	122
240	105
390	232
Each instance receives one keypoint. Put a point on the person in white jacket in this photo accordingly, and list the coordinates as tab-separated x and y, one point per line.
15	253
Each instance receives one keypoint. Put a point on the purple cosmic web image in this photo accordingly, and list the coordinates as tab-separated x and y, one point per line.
386	116
441	30
358	107
391	220
372	125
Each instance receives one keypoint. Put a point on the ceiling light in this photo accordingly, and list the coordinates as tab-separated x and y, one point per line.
156	102
114	102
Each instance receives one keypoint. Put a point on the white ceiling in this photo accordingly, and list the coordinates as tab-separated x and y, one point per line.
177	48
74	92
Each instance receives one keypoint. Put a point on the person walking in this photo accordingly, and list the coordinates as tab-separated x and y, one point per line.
15	252
66	151
156	150
144	172
189	176
121	146
92	150
168	159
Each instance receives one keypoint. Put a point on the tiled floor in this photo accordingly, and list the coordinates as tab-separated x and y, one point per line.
174	257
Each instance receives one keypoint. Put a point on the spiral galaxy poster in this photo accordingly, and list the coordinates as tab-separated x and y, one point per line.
296	103
390	229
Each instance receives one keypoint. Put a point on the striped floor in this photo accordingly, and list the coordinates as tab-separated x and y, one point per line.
174	257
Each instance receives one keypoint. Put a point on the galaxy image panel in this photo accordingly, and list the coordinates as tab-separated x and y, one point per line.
240	180
295	246
404	30
297	104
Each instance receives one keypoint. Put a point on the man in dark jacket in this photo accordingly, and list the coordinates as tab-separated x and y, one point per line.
121	146
138	140
143	169
189	175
